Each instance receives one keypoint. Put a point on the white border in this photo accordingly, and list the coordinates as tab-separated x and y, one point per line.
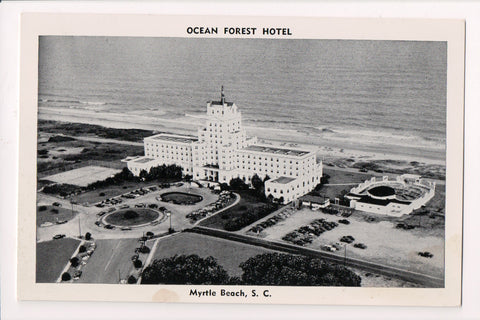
425	10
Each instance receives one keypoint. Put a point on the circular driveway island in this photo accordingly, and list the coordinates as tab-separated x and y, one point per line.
132	217
181	198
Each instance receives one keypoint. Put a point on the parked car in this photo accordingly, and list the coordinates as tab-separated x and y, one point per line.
360	246
109	226
61	222
125	206
329	248
425	254
58	236
126	228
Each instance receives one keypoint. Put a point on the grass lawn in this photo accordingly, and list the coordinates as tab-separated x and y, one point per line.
91	151
53	214
229	254
52	256
132	217
181	198
341	177
247	201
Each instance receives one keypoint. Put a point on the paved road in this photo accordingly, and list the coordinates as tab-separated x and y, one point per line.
109	257
423	279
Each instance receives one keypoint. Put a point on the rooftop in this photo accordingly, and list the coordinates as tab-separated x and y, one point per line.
314	199
219	103
144	160
183	139
275	150
283	180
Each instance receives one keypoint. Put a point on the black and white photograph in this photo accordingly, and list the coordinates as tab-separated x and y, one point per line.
241	161
208	166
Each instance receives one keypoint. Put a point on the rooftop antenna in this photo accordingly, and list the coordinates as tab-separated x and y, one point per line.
222	97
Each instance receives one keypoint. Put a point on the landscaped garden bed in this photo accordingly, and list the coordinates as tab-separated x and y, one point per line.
181	198
132	217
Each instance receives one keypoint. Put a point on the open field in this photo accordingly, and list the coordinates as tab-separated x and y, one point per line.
58	154
92	130
52	256
109	257
435	170
53	214
83	176
248	201
385	244
229	254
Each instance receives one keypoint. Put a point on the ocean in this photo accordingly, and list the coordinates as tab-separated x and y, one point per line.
379	96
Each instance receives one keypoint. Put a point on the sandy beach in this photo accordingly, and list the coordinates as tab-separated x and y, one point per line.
329	145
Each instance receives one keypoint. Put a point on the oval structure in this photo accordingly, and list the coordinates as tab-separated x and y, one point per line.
382	192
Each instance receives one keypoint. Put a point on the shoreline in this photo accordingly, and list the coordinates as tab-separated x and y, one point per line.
326	147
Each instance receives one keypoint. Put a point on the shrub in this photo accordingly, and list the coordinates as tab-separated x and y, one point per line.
42	208
82	249
171	230
238	184
101	194
74	262
132	280
137	264
144	249
149	234
55	211
66	276
88	236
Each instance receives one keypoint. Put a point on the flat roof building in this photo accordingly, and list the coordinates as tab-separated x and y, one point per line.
222	151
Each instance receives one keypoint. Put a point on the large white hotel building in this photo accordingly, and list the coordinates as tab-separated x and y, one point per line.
222	152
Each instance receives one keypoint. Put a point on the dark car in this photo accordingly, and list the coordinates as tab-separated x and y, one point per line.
109	226
360	246
58	236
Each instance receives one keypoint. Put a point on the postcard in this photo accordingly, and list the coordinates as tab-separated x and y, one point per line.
215	159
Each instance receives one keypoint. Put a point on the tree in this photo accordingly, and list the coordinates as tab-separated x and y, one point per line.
88	236
188	177
66	276
137	264
292	270
270	198
267	177
144	249
257	183
238	184
224	186
132	280
82	249
185	269
74	262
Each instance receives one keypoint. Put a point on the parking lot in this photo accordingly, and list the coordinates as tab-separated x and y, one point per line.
384	243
